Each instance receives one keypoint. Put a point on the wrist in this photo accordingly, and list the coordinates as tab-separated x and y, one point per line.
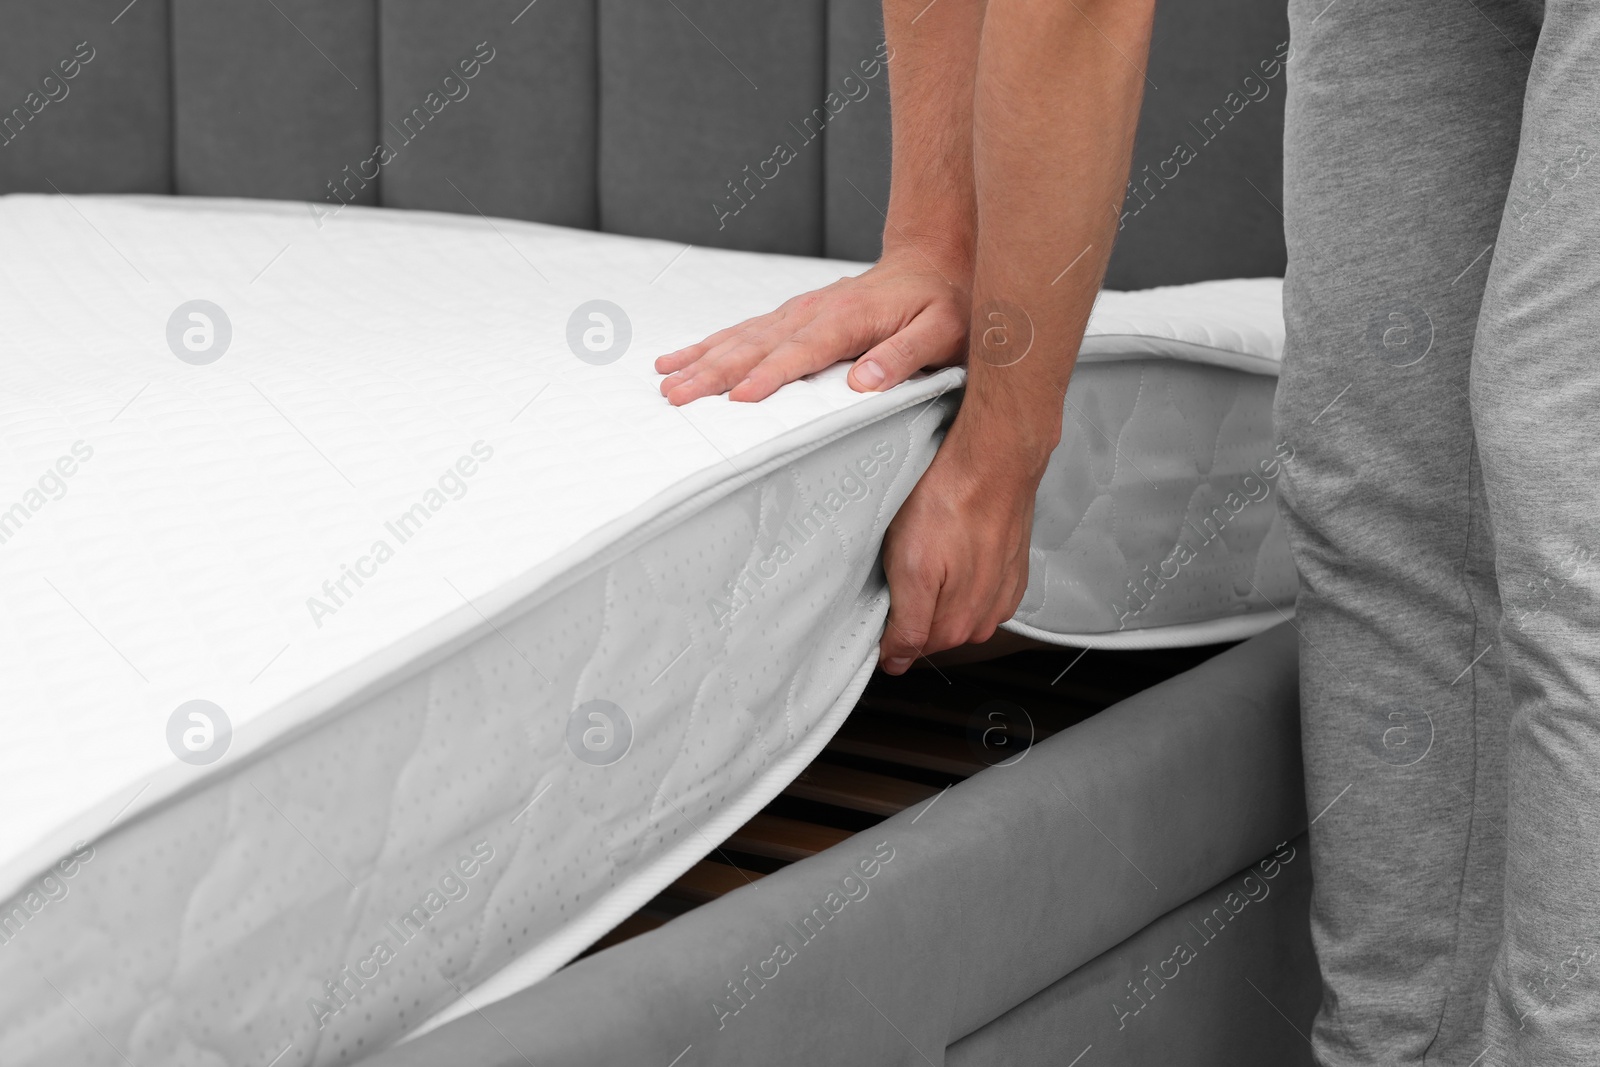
927	244
1014	393
1005	453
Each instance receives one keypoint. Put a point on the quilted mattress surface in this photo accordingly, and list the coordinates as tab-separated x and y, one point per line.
379	638
1156	523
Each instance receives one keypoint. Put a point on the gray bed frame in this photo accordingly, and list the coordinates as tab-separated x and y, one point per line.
1135	891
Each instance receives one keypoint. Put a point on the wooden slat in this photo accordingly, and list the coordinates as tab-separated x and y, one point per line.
846	787
879	740
708	880
788	840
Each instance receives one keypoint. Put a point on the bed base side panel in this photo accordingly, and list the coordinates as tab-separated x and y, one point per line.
1227	978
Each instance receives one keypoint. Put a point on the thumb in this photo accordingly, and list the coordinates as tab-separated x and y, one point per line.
926	341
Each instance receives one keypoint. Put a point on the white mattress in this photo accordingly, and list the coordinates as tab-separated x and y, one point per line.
430	721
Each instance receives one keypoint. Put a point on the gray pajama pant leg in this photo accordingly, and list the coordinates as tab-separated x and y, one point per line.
1535	392
1402	133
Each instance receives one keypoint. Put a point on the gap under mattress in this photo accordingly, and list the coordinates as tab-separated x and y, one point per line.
601	632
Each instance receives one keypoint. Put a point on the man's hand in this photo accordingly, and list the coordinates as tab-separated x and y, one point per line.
905	314
956	554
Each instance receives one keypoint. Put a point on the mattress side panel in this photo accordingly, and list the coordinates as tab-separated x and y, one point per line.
1158	507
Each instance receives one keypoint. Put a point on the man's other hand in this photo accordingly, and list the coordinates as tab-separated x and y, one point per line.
956	554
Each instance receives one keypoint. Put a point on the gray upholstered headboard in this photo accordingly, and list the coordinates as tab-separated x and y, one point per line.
635	116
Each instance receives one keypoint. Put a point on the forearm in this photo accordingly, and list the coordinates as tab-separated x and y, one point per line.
1058	90
933	49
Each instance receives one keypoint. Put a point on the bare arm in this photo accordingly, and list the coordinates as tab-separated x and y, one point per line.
1058	91
1058	94
910	310
932	212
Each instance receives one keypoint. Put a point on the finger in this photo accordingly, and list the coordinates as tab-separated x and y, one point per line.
732	361
1008	597
798	309
717	372
729	361
976	599
684	374
837	334
712	373
913	595
684	357
1018	590
962	607
672	383
989	621
986	620
934	338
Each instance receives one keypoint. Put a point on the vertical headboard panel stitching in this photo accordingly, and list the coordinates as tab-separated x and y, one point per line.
518	137
275	100
704	134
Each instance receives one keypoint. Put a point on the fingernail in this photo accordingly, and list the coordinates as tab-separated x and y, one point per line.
897	665
868	374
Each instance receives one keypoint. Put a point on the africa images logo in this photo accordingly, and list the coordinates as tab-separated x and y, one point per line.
452	484
1144	588
799	531
852	888
344	988
1401	334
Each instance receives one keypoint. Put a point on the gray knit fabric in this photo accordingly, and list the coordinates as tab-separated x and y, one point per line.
1440	392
